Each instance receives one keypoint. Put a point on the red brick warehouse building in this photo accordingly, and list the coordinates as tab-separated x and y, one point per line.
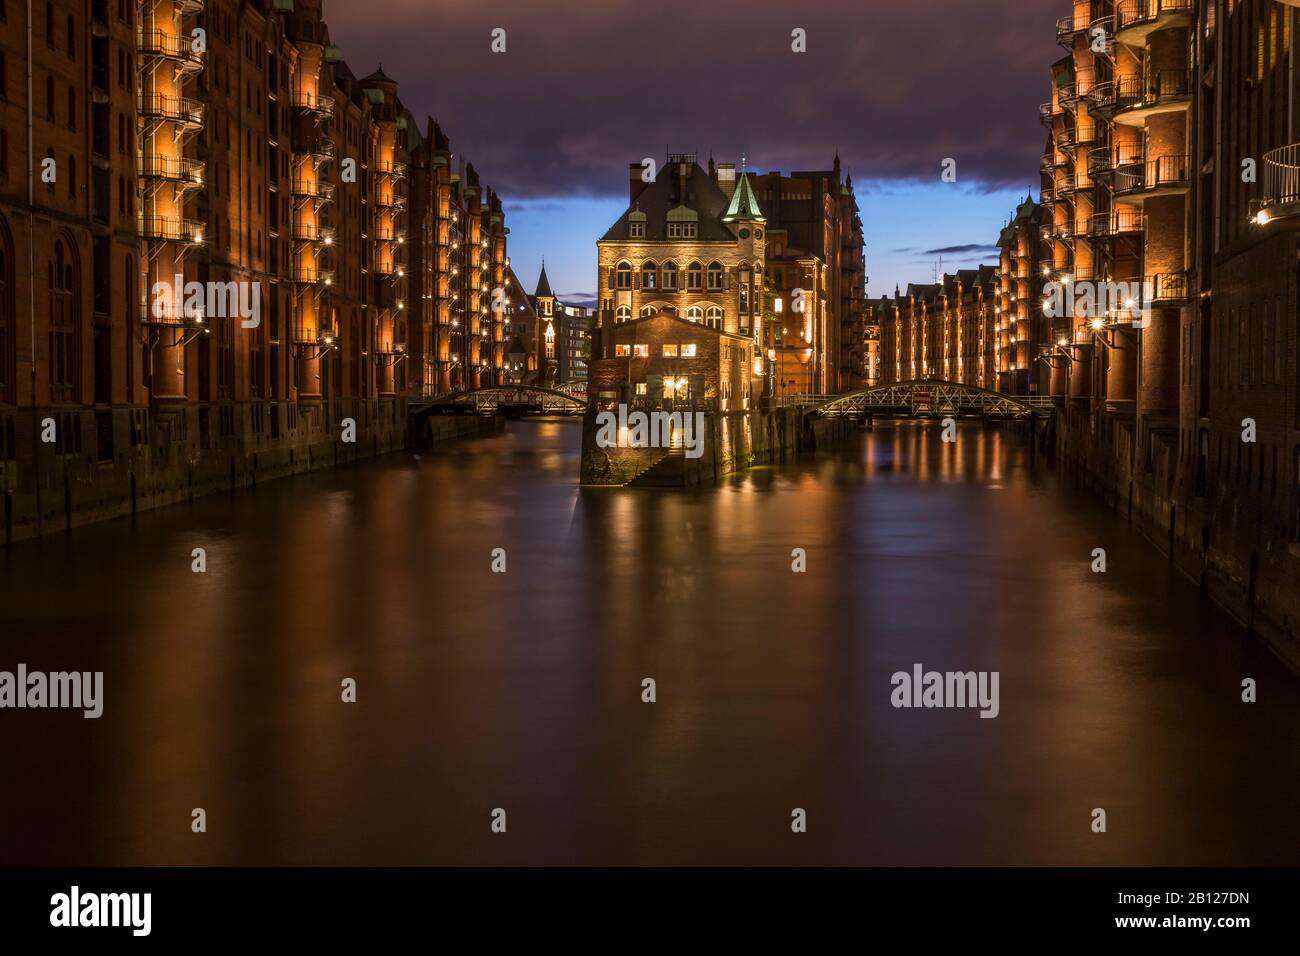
224	141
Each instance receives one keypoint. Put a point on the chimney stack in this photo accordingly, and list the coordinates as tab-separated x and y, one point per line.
727	178
635	184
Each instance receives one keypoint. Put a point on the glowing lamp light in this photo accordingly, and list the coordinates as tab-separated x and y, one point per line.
1098	324
1262	218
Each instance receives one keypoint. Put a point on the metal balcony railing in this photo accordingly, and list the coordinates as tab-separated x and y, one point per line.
1119	222
312	232
171	229
1068	26
313	102
313	275
1142	92
174	316
390	169
177	169
189	8
313	189
1166	286
1132	13
1281	176
1152	174
178	48
175	109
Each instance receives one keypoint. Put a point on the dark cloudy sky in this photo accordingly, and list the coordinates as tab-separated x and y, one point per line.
584	88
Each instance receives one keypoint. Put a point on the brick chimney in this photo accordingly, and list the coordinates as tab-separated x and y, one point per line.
727	178
634	183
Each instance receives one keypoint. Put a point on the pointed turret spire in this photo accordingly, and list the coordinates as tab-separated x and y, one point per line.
543	285
744	204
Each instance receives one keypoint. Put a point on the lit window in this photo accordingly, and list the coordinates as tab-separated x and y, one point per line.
670	351
715	276
641	351
688	350
620	350
640	388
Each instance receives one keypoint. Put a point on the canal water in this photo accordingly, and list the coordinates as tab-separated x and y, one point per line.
523	690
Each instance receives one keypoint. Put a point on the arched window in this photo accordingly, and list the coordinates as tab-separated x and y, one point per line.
623	275
65	329
72	177
649	275
623	313
647	311
670	276
694	313
713	317
715	276
694	277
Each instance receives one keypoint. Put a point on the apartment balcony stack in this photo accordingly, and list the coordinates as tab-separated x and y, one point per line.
313	195
169	176
388	189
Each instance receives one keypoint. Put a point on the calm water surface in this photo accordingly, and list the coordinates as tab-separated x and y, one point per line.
522	690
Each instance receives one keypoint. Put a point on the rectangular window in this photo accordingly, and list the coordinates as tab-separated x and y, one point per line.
688	350
641	388
670	351
641	351
637	230
620	350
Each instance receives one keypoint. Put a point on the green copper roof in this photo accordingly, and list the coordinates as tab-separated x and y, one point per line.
744	205
636	215
682	213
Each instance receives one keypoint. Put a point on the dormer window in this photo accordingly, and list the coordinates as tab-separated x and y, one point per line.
636	230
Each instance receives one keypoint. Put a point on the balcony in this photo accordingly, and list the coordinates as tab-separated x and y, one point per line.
184	172
175	48
1120	222
1046	111
313	232
1281	197
318	105
1137	97
188	112
310	274
390	169
1067	28
189	8
171	229
174	316
314	189
1135	20
1164	175
1106	159
391	201
1165	287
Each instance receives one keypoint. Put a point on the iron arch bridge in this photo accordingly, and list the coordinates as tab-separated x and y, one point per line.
933	398
504	399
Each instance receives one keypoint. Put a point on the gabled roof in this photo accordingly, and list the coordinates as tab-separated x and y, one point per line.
744	204
702	195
